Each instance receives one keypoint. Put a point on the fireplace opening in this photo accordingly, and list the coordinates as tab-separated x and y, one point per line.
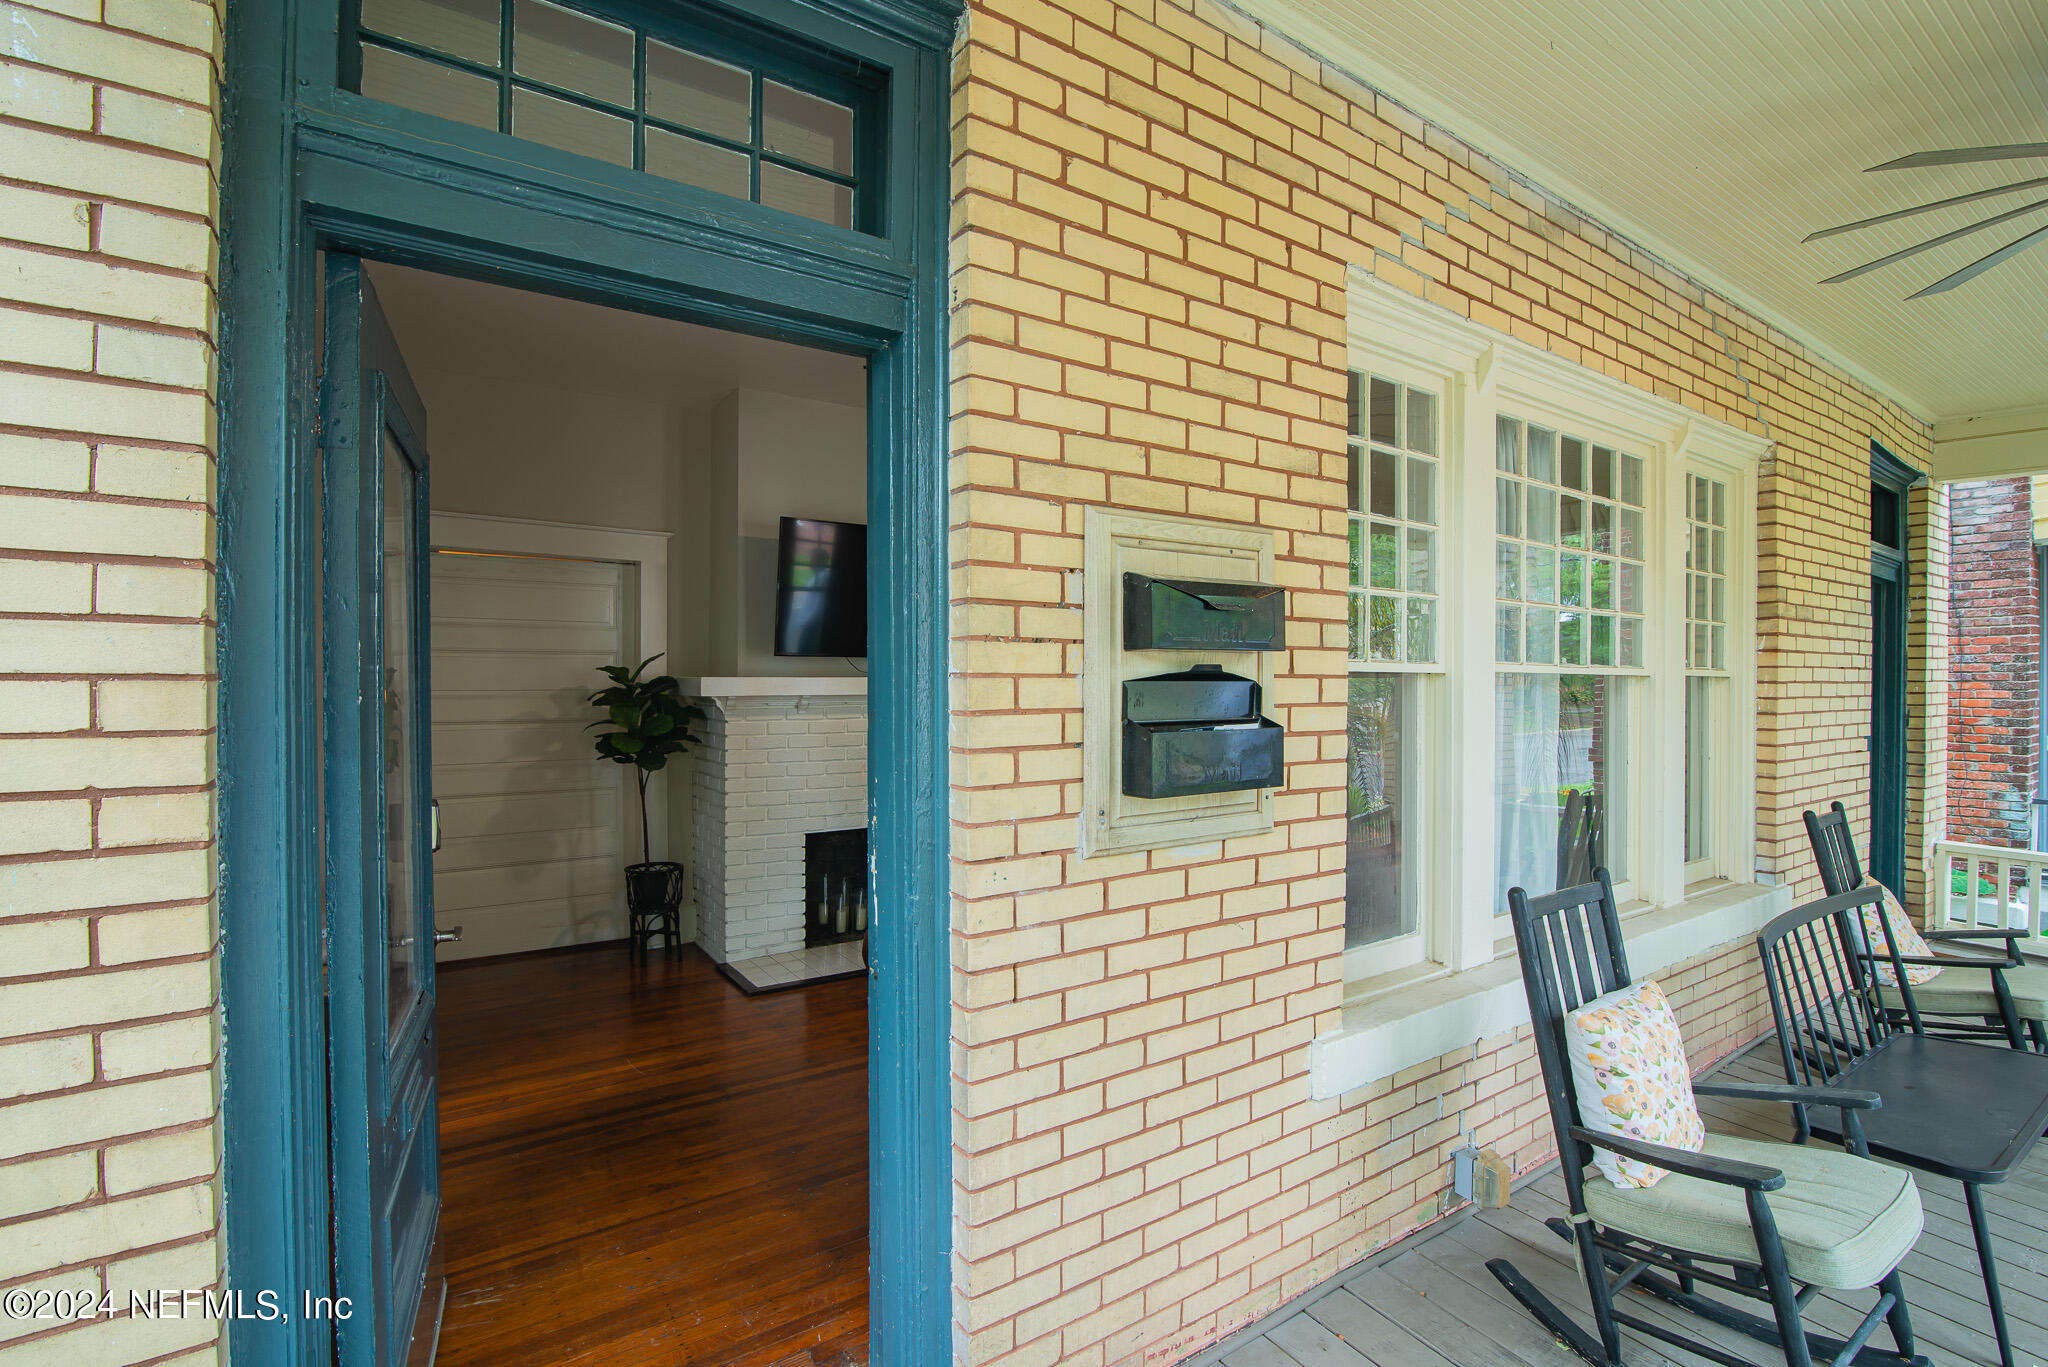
835	886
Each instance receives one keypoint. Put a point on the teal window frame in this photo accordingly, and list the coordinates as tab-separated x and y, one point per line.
310	166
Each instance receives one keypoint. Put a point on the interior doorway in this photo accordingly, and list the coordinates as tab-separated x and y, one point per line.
627	1156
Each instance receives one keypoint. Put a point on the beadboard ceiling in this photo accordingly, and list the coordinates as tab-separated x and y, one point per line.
1718	133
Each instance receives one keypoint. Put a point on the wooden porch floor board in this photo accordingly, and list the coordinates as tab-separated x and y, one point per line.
1430	1300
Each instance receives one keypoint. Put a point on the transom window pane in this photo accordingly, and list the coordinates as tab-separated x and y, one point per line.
1381	870
614	92
1568	565
1560	780
1395	539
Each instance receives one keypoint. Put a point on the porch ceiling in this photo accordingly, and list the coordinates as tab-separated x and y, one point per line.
1719	133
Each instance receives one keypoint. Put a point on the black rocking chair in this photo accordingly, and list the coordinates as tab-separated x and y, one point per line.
1952	1108
1987	996
1758	1219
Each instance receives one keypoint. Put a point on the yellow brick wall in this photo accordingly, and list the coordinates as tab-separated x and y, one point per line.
108	162
1156	204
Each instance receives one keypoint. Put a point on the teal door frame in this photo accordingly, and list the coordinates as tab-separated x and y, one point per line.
1890	582
310	167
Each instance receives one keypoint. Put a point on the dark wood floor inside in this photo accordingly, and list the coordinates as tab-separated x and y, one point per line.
643	1166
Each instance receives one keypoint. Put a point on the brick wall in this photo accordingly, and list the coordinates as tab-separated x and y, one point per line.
1157	201
1994	682
107	1149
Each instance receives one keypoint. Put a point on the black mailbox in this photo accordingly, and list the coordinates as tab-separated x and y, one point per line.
1197	732
1195	614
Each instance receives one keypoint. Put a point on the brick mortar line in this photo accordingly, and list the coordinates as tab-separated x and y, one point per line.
103	378
56	857
90	256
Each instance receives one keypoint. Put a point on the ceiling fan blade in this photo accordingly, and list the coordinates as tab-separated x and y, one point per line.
1896	215
1977	268
1958	155
1915	250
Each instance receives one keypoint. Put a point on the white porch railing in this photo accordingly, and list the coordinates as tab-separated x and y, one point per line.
1990	887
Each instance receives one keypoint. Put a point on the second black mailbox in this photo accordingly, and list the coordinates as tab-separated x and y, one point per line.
1199	731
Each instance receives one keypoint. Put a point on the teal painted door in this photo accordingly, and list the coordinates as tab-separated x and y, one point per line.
384	1119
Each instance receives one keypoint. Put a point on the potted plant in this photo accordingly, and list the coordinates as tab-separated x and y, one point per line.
648	722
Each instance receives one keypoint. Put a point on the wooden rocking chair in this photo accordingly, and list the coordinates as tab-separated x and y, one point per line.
1984	996
1766	1221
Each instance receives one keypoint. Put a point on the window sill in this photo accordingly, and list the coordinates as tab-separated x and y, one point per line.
1388	1027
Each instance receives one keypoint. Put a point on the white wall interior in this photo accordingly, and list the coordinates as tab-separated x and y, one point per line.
551	409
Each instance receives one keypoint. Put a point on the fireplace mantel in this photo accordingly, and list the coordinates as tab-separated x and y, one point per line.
777	686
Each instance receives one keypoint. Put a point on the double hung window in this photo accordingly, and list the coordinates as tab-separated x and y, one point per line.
1396	484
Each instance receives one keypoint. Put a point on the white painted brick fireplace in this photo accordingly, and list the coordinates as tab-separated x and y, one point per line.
782	757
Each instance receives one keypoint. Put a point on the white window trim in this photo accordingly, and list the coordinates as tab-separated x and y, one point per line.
1481	373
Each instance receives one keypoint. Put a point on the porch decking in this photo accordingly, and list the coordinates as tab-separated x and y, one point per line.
1430	1302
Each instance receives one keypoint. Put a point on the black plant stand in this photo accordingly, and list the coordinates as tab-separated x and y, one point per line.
654	898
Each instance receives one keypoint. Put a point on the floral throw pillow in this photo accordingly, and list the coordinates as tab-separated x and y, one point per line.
1904	934
1628	1063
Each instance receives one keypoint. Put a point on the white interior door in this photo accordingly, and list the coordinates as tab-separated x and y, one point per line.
534	828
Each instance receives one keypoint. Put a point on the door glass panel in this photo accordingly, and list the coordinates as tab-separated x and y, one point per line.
806	128
460	28
401	873
576	53
571	127
699	93
703	164
810	196
443	91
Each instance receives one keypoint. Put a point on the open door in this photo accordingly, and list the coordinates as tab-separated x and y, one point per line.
383	1120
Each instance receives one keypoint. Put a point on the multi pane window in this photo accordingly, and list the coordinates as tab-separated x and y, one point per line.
1568	549
1395	482
550	74
1706	651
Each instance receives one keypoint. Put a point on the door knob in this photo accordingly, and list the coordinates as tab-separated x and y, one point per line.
444	937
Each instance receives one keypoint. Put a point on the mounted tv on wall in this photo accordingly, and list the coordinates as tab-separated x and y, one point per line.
821	588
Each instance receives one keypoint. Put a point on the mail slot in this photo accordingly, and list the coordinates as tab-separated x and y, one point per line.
1196	614
1197	732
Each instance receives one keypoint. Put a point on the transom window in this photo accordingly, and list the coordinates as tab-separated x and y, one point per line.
550	74
1394	483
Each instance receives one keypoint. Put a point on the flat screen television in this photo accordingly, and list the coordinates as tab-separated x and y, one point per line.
821	588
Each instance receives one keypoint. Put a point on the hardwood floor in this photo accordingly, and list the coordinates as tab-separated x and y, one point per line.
642	1167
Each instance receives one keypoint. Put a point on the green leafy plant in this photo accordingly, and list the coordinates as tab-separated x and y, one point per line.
649	723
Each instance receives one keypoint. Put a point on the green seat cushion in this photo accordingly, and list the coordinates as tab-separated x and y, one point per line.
1967	992
1845	1221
